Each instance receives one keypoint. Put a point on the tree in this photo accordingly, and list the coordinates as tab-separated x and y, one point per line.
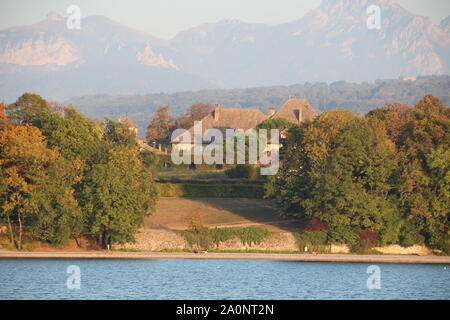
394	116
116	196
160	126
73	135
276	123
195	112
27	107
385	175
90	182
423	144
37	195
355	188
304	154
56	215
119	134
338	169
114	189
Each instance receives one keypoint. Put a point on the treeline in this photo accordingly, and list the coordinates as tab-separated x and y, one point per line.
65	176
360	98
378	179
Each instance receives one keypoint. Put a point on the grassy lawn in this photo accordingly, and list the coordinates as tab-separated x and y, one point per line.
176	213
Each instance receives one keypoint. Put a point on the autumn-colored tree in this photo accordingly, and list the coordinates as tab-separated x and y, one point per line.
36	186
74	178
422	136
195	112
160	126
394	116
423	144
4	121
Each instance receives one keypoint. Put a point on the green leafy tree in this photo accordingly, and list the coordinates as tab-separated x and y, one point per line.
354	189
116	196
73	135
276	123
386	174
423	144
119	134
56	216
305	151
27	107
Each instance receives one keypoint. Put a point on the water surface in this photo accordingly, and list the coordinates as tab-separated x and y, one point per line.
218	279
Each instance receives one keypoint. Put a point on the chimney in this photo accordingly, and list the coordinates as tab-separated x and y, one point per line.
298	115
271	112
216	111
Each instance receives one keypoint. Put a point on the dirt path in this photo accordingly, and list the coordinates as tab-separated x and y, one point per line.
229	256
249	224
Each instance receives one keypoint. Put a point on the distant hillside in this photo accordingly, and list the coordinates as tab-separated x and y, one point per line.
329	43
357	97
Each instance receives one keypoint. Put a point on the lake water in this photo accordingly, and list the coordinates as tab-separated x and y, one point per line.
217	279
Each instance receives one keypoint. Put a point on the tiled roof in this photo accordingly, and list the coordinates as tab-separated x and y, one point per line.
296	111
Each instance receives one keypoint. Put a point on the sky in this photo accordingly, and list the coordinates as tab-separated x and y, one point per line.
165	18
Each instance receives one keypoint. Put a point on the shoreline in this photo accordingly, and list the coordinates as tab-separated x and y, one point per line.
345	258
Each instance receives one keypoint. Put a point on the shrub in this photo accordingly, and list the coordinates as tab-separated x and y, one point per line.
410	236
440	240
243	171
342	234
206	181
316	225
363	247
151	159
390	232
315	241
250	235
211	190
201	237
367	239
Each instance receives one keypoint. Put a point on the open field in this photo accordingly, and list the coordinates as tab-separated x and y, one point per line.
176	213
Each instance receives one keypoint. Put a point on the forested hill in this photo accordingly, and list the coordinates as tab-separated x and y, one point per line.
359	98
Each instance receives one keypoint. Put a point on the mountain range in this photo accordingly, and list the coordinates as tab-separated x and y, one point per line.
330	43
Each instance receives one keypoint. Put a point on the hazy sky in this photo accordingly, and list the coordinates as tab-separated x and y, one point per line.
165	18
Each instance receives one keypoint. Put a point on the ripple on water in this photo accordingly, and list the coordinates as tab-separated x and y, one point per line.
218	279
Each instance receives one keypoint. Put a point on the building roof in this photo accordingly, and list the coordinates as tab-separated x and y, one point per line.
231	118
296	111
